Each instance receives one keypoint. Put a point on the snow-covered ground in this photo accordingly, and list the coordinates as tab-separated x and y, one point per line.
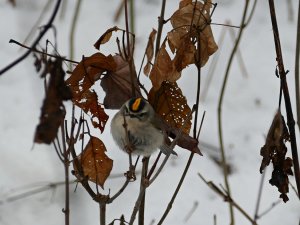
249	105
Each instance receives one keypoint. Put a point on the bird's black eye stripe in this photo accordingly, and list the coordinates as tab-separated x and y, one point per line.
126	110
142	114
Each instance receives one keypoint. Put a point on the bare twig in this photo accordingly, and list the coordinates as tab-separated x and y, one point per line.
191	212
251	13
129	53
102	208
132	15
169	207
227	198
161	22
294	189
297	74
34	191
66	163
37	40
273	205
41	52
142	183
285	90
72	32
171	147
35	26
239	56
259	195
220	107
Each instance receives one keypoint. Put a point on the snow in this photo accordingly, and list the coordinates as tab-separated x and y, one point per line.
249	106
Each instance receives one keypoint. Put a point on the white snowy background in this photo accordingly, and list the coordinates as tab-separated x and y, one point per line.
249	106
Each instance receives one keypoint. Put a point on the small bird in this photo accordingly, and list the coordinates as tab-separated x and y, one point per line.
143	128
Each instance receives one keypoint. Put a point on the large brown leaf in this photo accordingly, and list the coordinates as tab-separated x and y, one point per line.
191	23
163	69
169	102
95	163
84	76
117	84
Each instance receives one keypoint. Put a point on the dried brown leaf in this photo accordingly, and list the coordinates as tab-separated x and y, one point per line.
150	52
105	37
117	84
95	163
191	25
169	102
53	111
185	54
275	151
86	73
90	105
163	69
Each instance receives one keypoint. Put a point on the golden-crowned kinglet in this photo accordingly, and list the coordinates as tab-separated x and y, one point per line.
144	133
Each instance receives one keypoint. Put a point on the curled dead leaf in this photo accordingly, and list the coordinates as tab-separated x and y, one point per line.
150	52
163	69
95	163
84	76
117	84
53	111
275	151
105	37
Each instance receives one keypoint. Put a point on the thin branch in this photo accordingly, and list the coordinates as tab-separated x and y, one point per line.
41	35
285	90
41	52
102	208
171	147
137	204
294	189
269	209
35	26
188	164
191	212
220	107
141	218
228	198
161	22
251	13
129	53
35	191
259	195
72	32
297	74
132	14
169	207
66	163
